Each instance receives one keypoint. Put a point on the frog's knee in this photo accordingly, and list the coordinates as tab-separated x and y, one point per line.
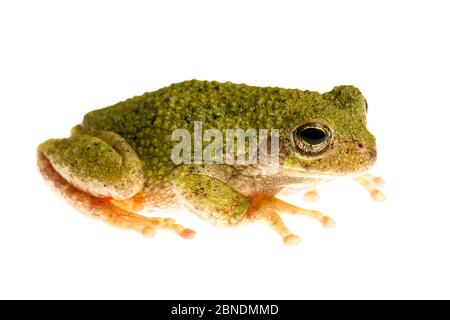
103	165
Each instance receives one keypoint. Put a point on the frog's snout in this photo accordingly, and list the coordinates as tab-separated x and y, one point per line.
370	150
367	153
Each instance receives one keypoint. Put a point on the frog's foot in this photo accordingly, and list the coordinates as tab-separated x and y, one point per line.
268	208
370	183
145	225
104	208
311	195
275	221
284	207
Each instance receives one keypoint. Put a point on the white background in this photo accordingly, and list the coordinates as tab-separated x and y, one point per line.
59	60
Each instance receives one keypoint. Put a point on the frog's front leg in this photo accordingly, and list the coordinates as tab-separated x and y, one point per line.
203	190
311	195
206	190
92	171
370	183
367	181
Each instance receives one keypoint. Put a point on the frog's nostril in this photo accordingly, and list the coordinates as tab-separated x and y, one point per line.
360	145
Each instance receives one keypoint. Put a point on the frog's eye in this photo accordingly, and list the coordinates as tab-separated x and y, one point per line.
312	138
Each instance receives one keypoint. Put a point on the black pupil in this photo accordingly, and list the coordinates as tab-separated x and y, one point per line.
313	135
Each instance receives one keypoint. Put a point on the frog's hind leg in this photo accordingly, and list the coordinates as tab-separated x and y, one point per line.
100	163
104	209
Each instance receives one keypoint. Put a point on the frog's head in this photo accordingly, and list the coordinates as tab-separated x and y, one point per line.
329	136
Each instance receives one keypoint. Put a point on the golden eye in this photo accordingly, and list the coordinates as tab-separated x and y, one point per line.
312	138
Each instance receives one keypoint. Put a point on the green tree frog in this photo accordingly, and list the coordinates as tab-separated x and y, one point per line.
118	162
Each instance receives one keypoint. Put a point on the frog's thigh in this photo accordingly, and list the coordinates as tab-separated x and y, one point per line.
208	196
102	164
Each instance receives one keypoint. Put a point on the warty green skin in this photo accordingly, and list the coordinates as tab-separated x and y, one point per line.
147	121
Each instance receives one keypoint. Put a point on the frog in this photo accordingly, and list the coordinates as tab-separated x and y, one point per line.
117	164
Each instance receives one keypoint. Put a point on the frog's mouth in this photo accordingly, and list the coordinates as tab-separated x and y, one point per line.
321	175
350	160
